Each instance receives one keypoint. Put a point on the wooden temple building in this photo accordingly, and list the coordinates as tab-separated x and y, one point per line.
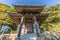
28	14
27	10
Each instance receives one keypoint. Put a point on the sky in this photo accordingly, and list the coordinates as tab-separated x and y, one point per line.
31	2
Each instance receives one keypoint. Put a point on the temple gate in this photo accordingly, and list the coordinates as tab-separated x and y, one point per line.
28	18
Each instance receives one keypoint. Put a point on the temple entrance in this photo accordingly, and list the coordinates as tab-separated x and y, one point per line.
28	18
29	29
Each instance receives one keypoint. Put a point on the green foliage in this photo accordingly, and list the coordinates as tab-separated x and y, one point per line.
11	9
52	8
4	17
52	24
13	26
6	20
54	18
53	21
4	8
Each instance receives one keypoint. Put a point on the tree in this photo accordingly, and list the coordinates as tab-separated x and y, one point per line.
52	8
51	24
11	9
4	17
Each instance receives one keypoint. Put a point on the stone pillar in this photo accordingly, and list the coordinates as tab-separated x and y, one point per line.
20	27
37	27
